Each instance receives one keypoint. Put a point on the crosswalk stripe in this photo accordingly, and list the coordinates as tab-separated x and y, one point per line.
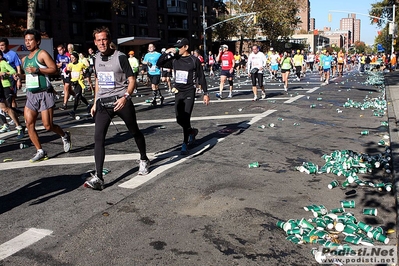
22	241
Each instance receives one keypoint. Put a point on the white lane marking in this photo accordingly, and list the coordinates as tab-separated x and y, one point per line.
293	99
227	100
256	119
173	120
154	121
22	241
313	90
71	160
171	162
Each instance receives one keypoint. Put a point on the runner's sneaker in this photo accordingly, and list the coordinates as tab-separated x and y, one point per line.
230	95
154	102
21	132
219	95
63	107
5	128
184	149
95	183
40	155
162	99
255	99
66	139
191	137
263	95
143	167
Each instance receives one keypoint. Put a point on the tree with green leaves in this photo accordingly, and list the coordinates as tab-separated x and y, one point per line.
384	11
276	19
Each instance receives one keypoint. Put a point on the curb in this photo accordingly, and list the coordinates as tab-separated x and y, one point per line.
392	95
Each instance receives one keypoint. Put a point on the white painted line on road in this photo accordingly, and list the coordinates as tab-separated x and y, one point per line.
173	120
22	241
313	90
242	100
171	162
293	99
256	119
71	161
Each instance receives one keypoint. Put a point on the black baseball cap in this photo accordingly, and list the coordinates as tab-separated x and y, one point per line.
181	43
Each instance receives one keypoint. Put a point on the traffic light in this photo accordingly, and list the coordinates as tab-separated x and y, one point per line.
329	17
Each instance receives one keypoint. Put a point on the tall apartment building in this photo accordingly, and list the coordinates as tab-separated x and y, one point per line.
304	14
352	24
312	24
141	21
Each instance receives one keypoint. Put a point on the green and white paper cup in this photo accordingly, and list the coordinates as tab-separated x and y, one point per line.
353	239
348	204
365	227
333	184
370	211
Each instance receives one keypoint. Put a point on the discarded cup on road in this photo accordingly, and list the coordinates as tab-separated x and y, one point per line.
23	146
365	227
280	224
348	203
370	211
253	165
262	126
333	184
2	141
337	210
352	239
305	224
388	187
271	125
364	132
77	117
312	106
148	101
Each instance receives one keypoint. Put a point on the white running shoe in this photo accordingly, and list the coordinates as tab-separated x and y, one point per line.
143	167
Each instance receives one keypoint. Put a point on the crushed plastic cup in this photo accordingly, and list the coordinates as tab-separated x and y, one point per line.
2	141
364	132
253	165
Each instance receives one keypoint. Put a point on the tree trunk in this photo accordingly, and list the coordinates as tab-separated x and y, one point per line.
31	14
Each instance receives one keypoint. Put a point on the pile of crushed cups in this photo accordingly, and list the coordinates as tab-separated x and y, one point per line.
334	229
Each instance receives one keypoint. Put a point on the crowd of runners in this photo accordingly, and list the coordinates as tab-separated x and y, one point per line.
112	77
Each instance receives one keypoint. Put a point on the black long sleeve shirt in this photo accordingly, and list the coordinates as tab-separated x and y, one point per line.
187	70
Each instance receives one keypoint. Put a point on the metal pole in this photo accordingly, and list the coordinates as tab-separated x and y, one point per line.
204	27
393	29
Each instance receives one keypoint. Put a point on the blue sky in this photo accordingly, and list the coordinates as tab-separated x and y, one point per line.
319	10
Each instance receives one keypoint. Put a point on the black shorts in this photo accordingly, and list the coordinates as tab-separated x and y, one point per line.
155	79
257	76
285	70
166	74
227	73
66	79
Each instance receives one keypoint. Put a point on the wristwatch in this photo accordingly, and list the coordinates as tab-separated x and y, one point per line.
127	96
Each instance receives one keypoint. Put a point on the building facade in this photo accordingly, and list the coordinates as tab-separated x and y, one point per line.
304	15
352	24
73	21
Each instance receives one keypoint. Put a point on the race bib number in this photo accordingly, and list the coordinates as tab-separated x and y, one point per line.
106	80
327	63
32	81
75	75
181	76
225	62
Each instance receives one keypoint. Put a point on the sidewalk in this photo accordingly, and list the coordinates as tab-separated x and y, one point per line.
392	93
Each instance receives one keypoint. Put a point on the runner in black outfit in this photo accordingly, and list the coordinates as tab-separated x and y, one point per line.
187	69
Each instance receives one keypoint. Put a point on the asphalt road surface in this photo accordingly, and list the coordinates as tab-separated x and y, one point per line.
207	208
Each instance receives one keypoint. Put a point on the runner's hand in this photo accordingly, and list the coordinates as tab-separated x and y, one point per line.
93	110
206	99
